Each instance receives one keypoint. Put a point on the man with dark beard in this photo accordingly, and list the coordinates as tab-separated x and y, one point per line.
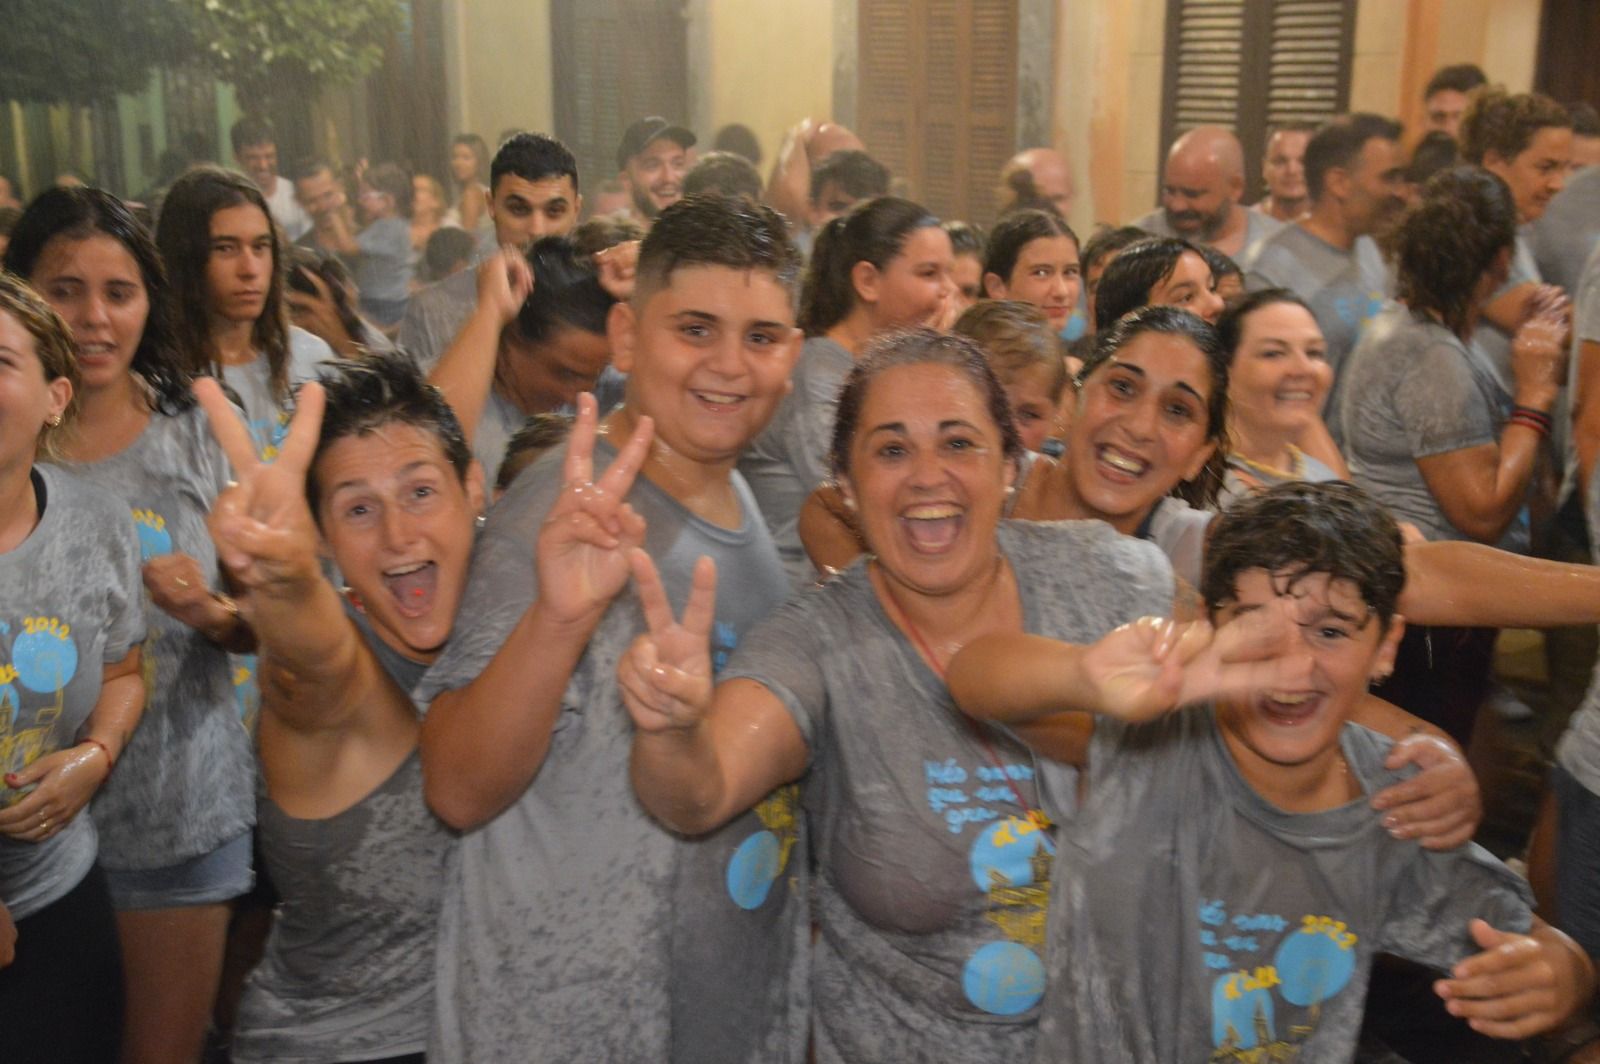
652	158
1200	190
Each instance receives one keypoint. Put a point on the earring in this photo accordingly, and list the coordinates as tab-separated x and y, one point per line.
55	421
849	504
479	522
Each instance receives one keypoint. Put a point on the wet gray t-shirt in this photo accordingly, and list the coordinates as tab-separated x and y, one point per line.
1193	920
266	413
1569	230
186	782
789	460
1488	339
934	875
1413	391
70	604
574	926
435	314
1343	288
382	268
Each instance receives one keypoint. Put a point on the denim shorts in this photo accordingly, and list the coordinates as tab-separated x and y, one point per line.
221	875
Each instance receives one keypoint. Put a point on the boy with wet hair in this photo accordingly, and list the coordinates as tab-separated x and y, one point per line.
574	925
1244	816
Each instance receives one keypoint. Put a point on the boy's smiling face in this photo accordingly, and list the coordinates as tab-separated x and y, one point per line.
1275	734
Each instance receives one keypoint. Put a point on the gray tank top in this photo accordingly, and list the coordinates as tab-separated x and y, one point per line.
348	968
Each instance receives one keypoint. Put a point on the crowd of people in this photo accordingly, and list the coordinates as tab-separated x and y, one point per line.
753	619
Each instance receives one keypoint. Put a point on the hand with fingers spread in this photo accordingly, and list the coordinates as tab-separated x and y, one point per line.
617	266
1144	669
666	676
583	548
262	526
1520	985
1440	806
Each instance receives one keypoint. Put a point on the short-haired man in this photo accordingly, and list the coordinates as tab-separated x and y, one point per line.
255	149
1328	258
1034	175
1200	189
574	926
533	192
1283	171
1444	101
724	172
652	160
1569	230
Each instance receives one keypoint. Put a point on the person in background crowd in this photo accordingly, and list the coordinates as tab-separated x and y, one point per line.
1284	173
1201	183
1448	92
255	150
967	243
74	622
1164	271
538	435
1427	427
1526	141
227	270
376	248
536	340
469	164
739	139
1329	257
1048	178
1227	279
429	212
322	301
450	250
651	162
1025	354
724	172
603	233
804	148
1105	245
533	193
842	180
1436	151
1032	255
884	266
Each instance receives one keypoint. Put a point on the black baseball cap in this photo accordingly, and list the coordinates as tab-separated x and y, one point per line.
639	135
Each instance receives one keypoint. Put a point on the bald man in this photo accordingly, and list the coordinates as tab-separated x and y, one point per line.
1200	190
1036	174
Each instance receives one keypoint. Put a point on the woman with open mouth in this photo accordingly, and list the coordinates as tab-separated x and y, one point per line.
885	265
379	479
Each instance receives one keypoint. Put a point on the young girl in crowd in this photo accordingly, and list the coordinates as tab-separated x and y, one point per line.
469	169
357	860
175	819
885	265
1032	255
71	622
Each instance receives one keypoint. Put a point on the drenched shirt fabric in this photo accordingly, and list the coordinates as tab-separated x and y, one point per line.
934	867
266	412
1491	342
185	783
71	603
1568	231
1345	289
789	460
1414	391
574	926
1194	920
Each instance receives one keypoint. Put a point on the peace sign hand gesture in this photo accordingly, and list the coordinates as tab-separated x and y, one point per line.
262	525
666	674
582	553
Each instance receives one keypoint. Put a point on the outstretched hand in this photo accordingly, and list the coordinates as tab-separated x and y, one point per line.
666	674
261	524
1520	985
582	554
1153	665
617	268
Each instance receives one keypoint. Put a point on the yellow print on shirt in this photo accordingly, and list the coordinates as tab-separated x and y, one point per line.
778	813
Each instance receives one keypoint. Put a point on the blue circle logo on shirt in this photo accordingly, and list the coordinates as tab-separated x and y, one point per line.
1004	979
45	662
1003	854
753	869
1313	967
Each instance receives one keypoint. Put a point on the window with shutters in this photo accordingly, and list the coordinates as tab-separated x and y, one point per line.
1251	65
615	61
937	97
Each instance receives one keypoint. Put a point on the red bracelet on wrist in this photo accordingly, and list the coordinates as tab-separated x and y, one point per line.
111	762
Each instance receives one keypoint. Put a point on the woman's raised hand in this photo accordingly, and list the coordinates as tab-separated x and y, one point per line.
666	674
582	554
261	523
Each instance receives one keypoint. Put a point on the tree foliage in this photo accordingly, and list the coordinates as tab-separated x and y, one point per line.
267	47
80	51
